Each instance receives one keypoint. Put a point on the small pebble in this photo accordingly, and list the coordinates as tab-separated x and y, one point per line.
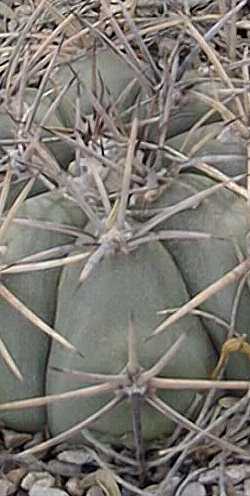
14	439
210	476
237	473
62	468
79	457
247	487
47	491
171	486
194	488
73	487
37	478
16	475
95	491
7	488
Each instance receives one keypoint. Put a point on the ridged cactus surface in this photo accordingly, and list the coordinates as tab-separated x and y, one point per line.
138	205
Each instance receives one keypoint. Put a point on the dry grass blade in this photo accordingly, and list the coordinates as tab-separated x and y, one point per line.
167	99
137	37
5	189
15	57
166	410
78	125
179	207
246	79
210	35
128	59
127	174
8	359
87	392
94	259
49	39
82	33
230	30
118	103
120	480
130	52
210	135
212	56
70	432
103	479
57	97
164	360
70	27
215	174
204	315
104	115
92	164
220	107
47	265
199	163
233	276
51	253
91	378
136	401
213	133
46	226
194	440
171	234
16	205
107	450
87	151
32	317
214	159
41	90
198	384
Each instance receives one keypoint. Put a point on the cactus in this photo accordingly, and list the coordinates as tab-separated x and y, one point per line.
106	300
19	333
90	263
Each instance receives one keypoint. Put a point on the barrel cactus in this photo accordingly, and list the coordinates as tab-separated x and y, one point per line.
89	260
25	240
93	315
105	314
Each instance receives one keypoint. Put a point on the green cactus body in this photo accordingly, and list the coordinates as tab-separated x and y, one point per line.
229	157
95	316
203	262
106	75
16	188
8	126
186	113
38	290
